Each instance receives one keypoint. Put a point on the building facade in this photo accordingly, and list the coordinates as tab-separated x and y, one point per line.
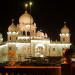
24	41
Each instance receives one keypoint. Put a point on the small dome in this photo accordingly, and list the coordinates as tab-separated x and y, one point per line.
65	29
39	33
12	27
26	18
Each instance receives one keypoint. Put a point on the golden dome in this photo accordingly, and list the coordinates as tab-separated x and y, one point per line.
65	29
26	18
12	27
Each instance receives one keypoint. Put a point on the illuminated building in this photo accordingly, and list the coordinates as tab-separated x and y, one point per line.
24	41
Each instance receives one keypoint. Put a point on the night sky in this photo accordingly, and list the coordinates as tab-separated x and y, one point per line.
49	15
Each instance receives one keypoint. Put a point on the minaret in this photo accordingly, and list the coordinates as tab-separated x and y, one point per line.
65	34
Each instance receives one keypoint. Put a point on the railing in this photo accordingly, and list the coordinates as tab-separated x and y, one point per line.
31	70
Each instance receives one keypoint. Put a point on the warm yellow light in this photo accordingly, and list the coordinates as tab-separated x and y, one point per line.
26	5
30	3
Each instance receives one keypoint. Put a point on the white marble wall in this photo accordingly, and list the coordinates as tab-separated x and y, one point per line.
23	50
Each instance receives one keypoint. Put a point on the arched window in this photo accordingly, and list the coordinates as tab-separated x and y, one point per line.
23	33
10	38
28	33
53	49
63	39
10	48
16	38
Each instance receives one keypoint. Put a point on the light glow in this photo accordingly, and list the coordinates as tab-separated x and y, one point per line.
23	37
41	56
28	37
60	44
73	59
39	45
63	34
30	3
12	33
26	5
67	34
27	27
43	41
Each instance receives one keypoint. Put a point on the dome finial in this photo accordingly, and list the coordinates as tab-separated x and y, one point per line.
12	20
26	5
65	22
65	29
26	12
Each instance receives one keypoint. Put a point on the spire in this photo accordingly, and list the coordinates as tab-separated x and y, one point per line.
25	12
65	23
12	21
26	5
65	26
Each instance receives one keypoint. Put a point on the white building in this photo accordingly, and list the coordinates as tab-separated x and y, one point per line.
24	41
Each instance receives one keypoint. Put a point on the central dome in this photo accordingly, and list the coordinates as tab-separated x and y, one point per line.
26	18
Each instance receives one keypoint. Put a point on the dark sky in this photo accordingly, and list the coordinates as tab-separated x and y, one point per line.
48	14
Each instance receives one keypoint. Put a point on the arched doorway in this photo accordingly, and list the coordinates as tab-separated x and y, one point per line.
39	50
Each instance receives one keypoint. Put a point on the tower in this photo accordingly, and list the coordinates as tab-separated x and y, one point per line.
65	34
12	32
